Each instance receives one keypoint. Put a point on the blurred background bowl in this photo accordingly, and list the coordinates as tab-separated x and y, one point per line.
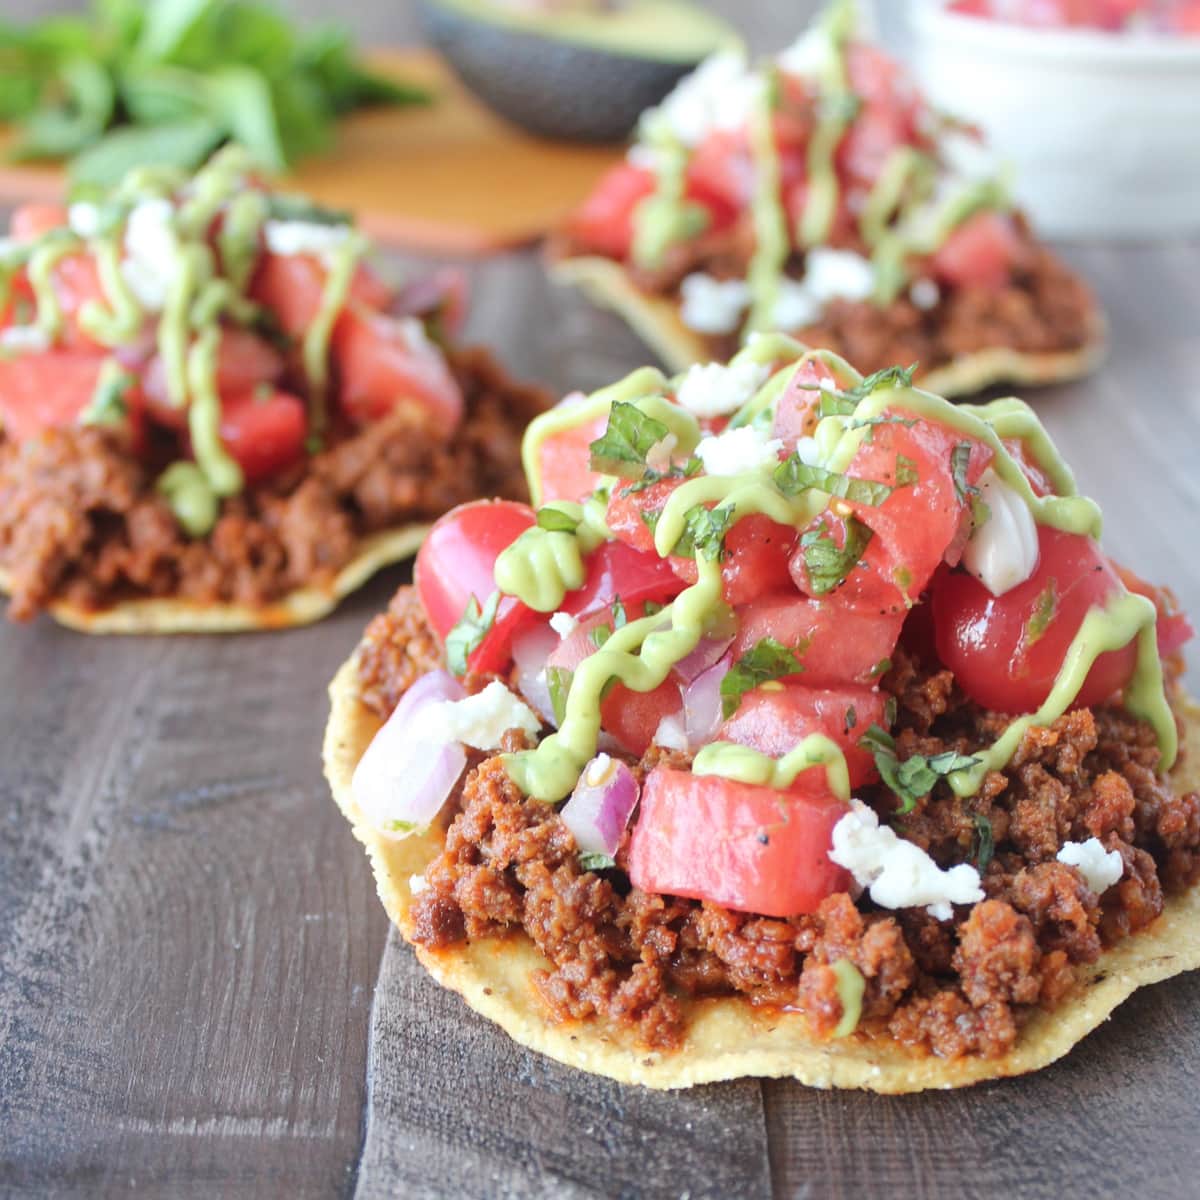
1103	129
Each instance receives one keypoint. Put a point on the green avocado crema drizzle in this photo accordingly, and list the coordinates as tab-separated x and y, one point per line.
542	565
904	215
201	287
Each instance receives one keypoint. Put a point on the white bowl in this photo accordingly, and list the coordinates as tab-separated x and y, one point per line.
1103	129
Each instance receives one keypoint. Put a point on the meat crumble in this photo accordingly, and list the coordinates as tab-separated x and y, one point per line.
948	988
80	520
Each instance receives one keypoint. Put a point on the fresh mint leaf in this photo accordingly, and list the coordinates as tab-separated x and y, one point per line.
556	521
983	848
960	460
828	563
704	531
766	660
891	377
628	438
906	471
913	777
793	476
467	636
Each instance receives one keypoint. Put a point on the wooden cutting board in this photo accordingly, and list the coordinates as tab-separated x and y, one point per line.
450	177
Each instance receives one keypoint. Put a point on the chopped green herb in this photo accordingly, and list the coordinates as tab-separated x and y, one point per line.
906	471
631	435
960	460
599	635
984	846
1043	614
882	667
556	521
704	531
851	718
765	661
107	405
979	512
915	776
828	563
558	679
649	517
596	861
652	608
398	826
618	611
892	377
683	470
891	709
833	404
793	475
467	636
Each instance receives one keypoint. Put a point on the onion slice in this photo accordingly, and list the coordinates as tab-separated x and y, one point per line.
530	651
708	653
402	781
702	703
600	806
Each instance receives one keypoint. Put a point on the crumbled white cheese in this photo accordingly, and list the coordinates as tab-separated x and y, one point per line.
808	452
1100	868
738	450
808	55
967	156
719	94
898	873
1003	550
671	733
305	237
838	275
24	339
417	884
713	305
84	219
564	624
151	252
795	306
480	720
925	294
716	390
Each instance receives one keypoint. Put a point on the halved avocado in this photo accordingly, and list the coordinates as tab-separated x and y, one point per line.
584	72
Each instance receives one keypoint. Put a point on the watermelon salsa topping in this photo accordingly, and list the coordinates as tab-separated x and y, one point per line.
682	646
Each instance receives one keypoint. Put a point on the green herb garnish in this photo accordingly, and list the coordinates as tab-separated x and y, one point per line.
556	521
767	660
558	680
913	777
595	861
166	82
630	435
984	845
467	636
1043	613
828	563
704	531
108	403
906	471
793	475
960	460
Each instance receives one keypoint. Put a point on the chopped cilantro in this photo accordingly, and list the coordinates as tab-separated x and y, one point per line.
629	437
984	844
828	563
704	531
467	636
906	471
793	475
596	861
913	777
1043	613
765	661
558	679
556	521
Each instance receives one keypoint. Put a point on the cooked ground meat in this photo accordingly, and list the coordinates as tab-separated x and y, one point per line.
1046	308
950	988
80	519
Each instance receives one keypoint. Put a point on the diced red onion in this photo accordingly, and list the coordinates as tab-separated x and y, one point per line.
601	804
402	781
707	653
441	292
134	355
530	652
702	703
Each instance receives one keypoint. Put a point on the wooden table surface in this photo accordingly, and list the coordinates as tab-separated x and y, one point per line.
190	944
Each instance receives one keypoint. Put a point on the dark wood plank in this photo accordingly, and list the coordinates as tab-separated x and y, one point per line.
458	1109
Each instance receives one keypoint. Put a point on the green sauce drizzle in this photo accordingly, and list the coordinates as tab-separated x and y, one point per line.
316	337
751	766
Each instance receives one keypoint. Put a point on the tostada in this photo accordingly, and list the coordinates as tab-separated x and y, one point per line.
802	728
818	194
214	415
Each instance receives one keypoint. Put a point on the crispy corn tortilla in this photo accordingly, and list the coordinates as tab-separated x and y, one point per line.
656	320
727	1037
301	607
